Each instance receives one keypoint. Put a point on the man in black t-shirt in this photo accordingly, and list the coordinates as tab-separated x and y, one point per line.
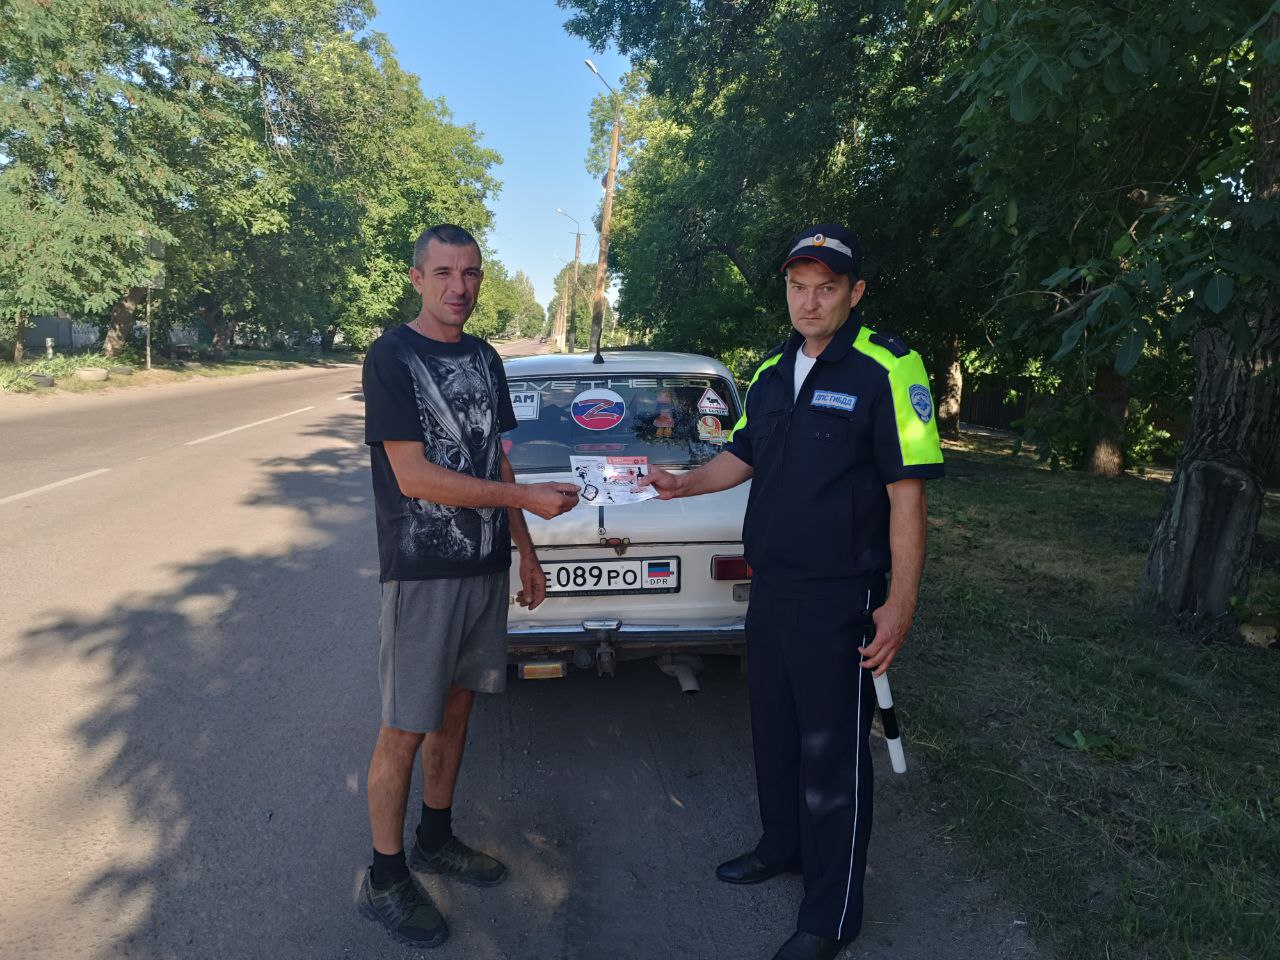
448	509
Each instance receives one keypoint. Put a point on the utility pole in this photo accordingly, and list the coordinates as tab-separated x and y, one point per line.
573	297
155	250
597	306
561	314
572	336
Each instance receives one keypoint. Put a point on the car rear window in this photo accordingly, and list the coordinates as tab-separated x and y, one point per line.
675	421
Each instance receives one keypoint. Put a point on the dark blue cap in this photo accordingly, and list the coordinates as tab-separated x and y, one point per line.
828	243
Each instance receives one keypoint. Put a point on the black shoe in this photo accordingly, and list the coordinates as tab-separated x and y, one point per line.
805	946
455	859
404	909
749	868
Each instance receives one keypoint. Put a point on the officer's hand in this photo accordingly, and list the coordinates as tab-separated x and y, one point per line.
892	623
549	500
533	582
666	483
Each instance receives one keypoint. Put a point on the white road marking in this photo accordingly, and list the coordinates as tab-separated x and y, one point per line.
349	396
54	486
256	423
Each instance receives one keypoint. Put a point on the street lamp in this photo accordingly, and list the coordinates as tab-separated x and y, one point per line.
571	336
597	306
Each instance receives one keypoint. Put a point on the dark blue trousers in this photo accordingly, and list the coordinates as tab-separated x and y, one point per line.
811	711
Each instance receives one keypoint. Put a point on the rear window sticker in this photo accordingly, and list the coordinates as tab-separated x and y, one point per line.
598	409
526	404
711	402
710	429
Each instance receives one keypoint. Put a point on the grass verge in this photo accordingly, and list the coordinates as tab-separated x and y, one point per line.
14	378
1124	781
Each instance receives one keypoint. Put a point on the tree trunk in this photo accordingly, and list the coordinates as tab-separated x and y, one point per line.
327	338
1105	456
731	251
121	325
949	385
222	326
19	340
1199	556
224	335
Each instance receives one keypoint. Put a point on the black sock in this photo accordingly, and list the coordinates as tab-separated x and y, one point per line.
388	868
436	828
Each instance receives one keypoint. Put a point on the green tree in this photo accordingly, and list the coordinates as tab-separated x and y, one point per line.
277	148
1122	155
88	99
360	162
530	318
722	169
563	284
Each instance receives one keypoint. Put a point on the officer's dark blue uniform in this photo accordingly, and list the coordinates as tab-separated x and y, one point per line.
817	538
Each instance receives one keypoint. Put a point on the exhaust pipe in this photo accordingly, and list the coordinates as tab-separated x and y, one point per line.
684	668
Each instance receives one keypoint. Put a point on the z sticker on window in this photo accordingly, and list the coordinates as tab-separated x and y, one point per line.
526	404
598	409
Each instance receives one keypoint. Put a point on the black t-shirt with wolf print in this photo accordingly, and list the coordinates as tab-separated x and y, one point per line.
452	398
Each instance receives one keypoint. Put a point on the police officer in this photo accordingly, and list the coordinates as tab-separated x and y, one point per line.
838	437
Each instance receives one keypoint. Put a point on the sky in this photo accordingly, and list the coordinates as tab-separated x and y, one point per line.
509	68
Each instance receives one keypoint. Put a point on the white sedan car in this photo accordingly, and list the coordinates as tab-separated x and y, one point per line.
626	580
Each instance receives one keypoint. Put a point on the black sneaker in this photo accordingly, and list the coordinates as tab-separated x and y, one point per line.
456	859
404	909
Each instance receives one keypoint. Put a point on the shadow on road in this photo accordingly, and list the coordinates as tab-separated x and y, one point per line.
241	707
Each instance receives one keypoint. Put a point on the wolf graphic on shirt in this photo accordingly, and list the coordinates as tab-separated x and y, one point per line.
457	406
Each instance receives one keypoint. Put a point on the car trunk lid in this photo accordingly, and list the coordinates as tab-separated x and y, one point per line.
712	518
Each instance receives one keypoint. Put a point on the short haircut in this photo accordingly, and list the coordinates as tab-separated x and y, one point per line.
449	233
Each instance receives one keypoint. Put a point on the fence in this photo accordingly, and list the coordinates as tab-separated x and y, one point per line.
65	333
987	403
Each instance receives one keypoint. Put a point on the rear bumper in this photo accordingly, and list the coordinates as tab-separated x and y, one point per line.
628	640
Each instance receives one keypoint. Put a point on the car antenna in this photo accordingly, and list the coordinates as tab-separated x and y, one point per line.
597	358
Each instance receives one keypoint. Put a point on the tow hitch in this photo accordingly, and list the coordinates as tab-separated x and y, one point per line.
606	632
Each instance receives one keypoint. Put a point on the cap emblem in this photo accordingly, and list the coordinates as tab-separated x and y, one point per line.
821	240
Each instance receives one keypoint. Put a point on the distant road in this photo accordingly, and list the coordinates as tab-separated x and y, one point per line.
508	349
47	439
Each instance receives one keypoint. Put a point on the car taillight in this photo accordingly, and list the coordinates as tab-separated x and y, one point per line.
730	568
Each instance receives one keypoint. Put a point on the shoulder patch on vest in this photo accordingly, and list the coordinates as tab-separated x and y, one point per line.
890	343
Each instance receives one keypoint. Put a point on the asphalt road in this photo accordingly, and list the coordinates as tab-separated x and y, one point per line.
188	698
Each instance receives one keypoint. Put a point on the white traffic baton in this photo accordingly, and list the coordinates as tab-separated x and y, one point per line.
890	722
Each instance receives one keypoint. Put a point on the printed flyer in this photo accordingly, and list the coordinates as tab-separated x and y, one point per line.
610	480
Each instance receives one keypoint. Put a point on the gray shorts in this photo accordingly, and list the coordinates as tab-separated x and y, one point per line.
438	634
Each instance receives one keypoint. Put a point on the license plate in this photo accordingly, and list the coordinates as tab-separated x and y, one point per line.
613	577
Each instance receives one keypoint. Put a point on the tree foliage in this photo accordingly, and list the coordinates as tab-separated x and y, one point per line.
88	104
279	149
743	124
1080	193
581	306
1112	147
508	305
